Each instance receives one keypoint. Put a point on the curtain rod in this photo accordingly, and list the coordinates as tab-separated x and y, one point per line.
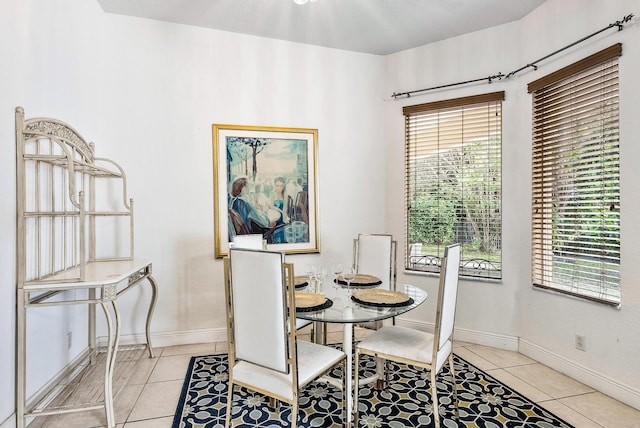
500	76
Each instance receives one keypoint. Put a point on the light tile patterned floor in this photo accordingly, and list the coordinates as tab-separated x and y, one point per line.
151	395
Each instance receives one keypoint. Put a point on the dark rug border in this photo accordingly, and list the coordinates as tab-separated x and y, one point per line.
177	416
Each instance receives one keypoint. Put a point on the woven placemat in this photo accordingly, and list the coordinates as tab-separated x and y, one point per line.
381	298
312	304
360	280
300	281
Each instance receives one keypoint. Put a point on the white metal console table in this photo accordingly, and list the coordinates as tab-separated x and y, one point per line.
64	194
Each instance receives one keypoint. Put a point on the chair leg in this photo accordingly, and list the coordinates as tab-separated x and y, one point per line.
356	390
324	333
294	414
346	419
455	386
434	399
387	371
382	371
227	421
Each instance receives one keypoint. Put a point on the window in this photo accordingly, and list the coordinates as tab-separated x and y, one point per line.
453	183
576	179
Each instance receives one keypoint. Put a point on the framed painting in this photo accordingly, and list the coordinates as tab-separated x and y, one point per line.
264	182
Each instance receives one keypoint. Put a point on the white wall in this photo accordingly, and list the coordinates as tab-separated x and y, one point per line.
147	94
491	312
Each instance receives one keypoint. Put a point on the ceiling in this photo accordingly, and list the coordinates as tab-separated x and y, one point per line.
378	27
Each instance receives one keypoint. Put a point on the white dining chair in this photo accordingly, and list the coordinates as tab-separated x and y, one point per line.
264	353
418	348
375	254
254	240
257	242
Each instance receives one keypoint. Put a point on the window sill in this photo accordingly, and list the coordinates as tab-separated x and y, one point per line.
462	277
574	296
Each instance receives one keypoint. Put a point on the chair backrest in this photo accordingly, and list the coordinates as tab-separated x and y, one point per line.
447	297
252	241
376	255
257	302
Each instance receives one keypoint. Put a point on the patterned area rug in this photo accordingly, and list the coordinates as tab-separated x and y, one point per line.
483	401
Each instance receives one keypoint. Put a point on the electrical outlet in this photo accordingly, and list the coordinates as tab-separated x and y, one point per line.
69	339
581	343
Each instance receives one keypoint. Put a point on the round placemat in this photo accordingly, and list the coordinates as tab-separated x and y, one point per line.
361	280
382	298
300	281
325	305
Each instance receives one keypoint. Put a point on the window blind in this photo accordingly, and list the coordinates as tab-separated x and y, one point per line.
453	183
576	179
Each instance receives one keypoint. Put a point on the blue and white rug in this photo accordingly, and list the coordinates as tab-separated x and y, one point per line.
482	401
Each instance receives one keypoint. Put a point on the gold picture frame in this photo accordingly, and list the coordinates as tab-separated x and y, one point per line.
264	181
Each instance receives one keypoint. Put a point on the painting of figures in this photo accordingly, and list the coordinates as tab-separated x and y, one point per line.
265	183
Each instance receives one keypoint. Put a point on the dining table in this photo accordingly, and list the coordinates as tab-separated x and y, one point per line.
359	303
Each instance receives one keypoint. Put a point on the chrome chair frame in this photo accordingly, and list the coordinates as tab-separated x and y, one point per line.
385	269
409	346
255	241
272	369
364	267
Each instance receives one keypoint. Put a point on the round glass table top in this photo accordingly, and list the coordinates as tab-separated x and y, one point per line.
345	310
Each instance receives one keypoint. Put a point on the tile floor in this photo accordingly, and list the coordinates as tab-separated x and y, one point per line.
151	394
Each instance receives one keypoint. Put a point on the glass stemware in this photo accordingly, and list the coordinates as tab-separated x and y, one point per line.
321	275
310	271
349	275
336	269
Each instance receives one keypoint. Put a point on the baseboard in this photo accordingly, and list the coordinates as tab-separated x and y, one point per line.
190	337
48	389
608	386
602	383
159	340
500	341
494	340
174	338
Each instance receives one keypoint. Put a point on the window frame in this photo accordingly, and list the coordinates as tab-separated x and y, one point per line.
563	165
471	268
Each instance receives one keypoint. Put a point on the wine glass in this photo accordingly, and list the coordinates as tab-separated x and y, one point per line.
321	275
310	271
349	275
336	269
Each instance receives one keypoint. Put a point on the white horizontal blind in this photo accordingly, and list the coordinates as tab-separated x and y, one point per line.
453	183
576	180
